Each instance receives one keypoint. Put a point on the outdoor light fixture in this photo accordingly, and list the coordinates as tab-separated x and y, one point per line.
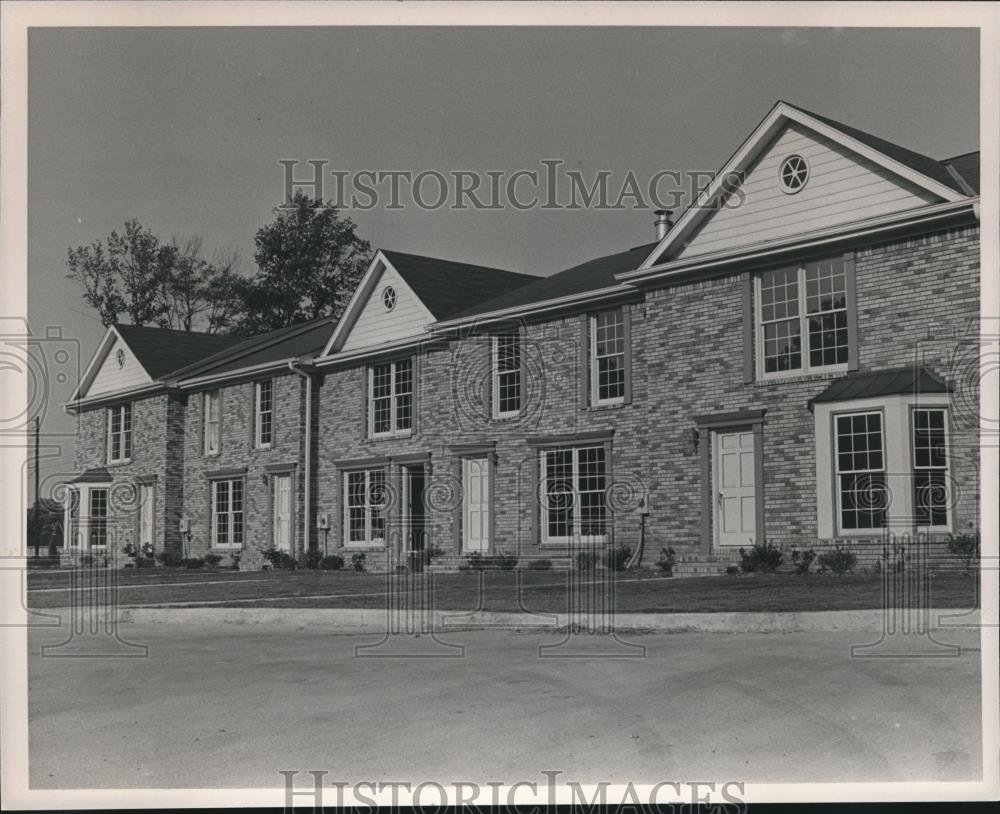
695	438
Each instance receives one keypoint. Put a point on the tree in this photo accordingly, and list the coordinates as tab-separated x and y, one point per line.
309	262
198	293
170	285
122	277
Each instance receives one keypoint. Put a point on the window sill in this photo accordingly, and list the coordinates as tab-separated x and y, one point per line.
570	542
391	436
611	405
506	418
791	378
364	547
120	462
260	448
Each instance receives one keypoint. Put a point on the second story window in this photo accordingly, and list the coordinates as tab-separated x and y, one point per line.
607	357
264	413
802	323
390	399
119	433
212	422
506	376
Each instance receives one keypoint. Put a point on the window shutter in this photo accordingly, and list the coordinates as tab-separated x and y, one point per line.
852	312
204	422
253	415
366	384
415	370
535	530
458	501
221	403
748	326
487	383
522	349
627	331
585	361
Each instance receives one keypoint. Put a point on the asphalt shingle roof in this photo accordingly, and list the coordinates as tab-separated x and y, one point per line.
445	286
915	161
303	338
161	350
890	382
966	165
589	276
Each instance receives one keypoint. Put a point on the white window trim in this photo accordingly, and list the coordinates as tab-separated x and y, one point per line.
803	317
207	421
392	432
496	412
123	459
839	493
258	444
213	514
369	543
82	545
595	387
897	441
577	537
950	520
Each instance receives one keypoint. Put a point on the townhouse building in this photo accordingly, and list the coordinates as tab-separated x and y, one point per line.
794	360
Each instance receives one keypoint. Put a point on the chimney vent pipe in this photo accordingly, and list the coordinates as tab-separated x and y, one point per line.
663	222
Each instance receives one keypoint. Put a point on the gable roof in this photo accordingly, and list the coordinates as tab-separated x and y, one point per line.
967	166
913	160
161	350
931	175
293	341
890	382
592	275
444	285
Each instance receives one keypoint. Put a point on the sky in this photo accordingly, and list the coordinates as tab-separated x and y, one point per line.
182	129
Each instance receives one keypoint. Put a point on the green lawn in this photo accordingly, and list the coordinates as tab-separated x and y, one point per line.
636	592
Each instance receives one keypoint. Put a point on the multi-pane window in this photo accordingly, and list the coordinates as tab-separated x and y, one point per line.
802	319
364	506
506	375
573	501
97	520
227	513
212	422
861	486
930	467
120	433
607	357
390	398
264	413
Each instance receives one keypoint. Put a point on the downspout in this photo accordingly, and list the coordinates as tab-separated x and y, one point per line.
307	464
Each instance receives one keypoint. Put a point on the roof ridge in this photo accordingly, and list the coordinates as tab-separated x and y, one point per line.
455	262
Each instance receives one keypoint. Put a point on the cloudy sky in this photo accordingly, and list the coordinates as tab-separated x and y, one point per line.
183	128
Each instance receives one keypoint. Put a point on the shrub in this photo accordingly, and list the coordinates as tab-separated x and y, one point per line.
732	569
803	560
616	559
475	561
764	558
840	561
586	560
169	559
965	547
212	559
129	550
540	565
331	562
313	558
279	558
667	561
234	560
193	562
358	561
506	562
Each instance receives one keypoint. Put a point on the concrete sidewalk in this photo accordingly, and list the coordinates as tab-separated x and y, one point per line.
379	619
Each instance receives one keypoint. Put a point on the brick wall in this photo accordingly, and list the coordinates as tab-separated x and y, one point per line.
238	453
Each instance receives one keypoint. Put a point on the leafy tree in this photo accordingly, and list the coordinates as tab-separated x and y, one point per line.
122	276
309	262
169	285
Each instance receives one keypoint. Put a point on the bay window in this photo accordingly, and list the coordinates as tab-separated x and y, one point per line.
861	484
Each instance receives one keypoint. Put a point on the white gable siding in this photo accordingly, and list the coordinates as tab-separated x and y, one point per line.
843	187
110	377
376	326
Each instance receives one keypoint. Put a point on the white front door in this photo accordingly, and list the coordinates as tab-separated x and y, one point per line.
146	527
475	505
282	512
735	498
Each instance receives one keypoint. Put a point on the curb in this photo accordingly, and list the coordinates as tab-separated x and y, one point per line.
357	620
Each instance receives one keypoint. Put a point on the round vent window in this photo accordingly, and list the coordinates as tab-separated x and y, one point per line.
389	297
120	358
793	174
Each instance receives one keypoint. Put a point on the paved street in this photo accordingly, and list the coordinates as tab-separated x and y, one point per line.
226	705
